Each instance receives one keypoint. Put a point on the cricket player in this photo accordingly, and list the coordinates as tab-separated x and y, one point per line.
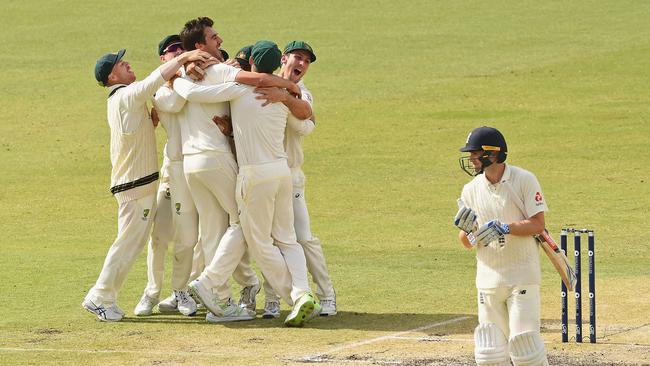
176	219
135	170
264	195
210	166
296	59
508	270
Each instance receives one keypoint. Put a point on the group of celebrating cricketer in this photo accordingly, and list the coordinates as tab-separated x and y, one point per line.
223	209
231	186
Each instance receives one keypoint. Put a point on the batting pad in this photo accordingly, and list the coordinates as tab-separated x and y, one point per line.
490	346
527	349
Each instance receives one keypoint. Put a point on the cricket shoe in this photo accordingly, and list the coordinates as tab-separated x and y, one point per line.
302	311
103	313
117	309
271	310
205	296
186	304
230	312
168	305
145	306
328	307
247	297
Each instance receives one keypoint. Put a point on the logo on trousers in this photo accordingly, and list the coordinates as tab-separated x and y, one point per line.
178	208
145	214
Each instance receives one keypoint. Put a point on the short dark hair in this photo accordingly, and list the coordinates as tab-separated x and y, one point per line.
192	32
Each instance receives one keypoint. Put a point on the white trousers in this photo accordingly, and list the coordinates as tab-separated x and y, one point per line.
134	220
211	178
513	309
176	221
311	245
266	213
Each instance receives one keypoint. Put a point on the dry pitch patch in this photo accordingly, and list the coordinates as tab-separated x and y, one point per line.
444	342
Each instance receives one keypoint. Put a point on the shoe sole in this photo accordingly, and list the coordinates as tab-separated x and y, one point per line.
270	316
302	315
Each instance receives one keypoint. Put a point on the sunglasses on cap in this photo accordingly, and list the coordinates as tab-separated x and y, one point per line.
173	47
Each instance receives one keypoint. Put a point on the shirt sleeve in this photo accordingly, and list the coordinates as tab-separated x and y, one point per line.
533	198
138	92
168	101
301	127
222	92
221	73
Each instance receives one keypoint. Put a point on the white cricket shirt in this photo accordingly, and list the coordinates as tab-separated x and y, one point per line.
259	131
516	262
199	133
296	130
169	106
133	142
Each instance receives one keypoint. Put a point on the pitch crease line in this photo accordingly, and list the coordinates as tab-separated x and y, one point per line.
389	336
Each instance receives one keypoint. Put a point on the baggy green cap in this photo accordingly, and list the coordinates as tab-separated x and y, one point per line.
168	41
266	56
243	56
105	65
300	45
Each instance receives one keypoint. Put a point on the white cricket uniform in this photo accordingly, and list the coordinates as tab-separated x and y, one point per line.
211	172
133	181
508	274
295	131
176	219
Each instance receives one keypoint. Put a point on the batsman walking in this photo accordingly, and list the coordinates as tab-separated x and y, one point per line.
492	220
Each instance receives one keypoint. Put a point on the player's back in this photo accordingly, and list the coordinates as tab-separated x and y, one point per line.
259	131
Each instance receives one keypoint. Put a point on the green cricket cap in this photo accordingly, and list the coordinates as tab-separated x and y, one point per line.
243	56
300	45
168	41
224	54
266	56
105	65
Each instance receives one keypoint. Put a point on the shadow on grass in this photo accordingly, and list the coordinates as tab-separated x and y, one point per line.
394	322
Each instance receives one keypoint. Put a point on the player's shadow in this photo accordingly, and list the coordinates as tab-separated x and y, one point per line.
393	322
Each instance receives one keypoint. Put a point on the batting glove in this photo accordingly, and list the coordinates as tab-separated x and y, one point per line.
492	231
465	219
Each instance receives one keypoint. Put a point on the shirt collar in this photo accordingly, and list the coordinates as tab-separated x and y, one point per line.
113	88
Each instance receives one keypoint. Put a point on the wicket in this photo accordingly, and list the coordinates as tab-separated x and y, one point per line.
578	287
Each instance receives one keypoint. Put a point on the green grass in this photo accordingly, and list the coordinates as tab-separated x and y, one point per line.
398	85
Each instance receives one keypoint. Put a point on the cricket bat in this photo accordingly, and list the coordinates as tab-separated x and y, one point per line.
558	258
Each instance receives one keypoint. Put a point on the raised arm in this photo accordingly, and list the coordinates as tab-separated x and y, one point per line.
208	93
298	107
302	127
167	100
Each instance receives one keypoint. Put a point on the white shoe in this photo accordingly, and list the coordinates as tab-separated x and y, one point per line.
168	305
145	306
328	307
103	313
271	310
206	296
231	313
247	297
117	309
186	304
